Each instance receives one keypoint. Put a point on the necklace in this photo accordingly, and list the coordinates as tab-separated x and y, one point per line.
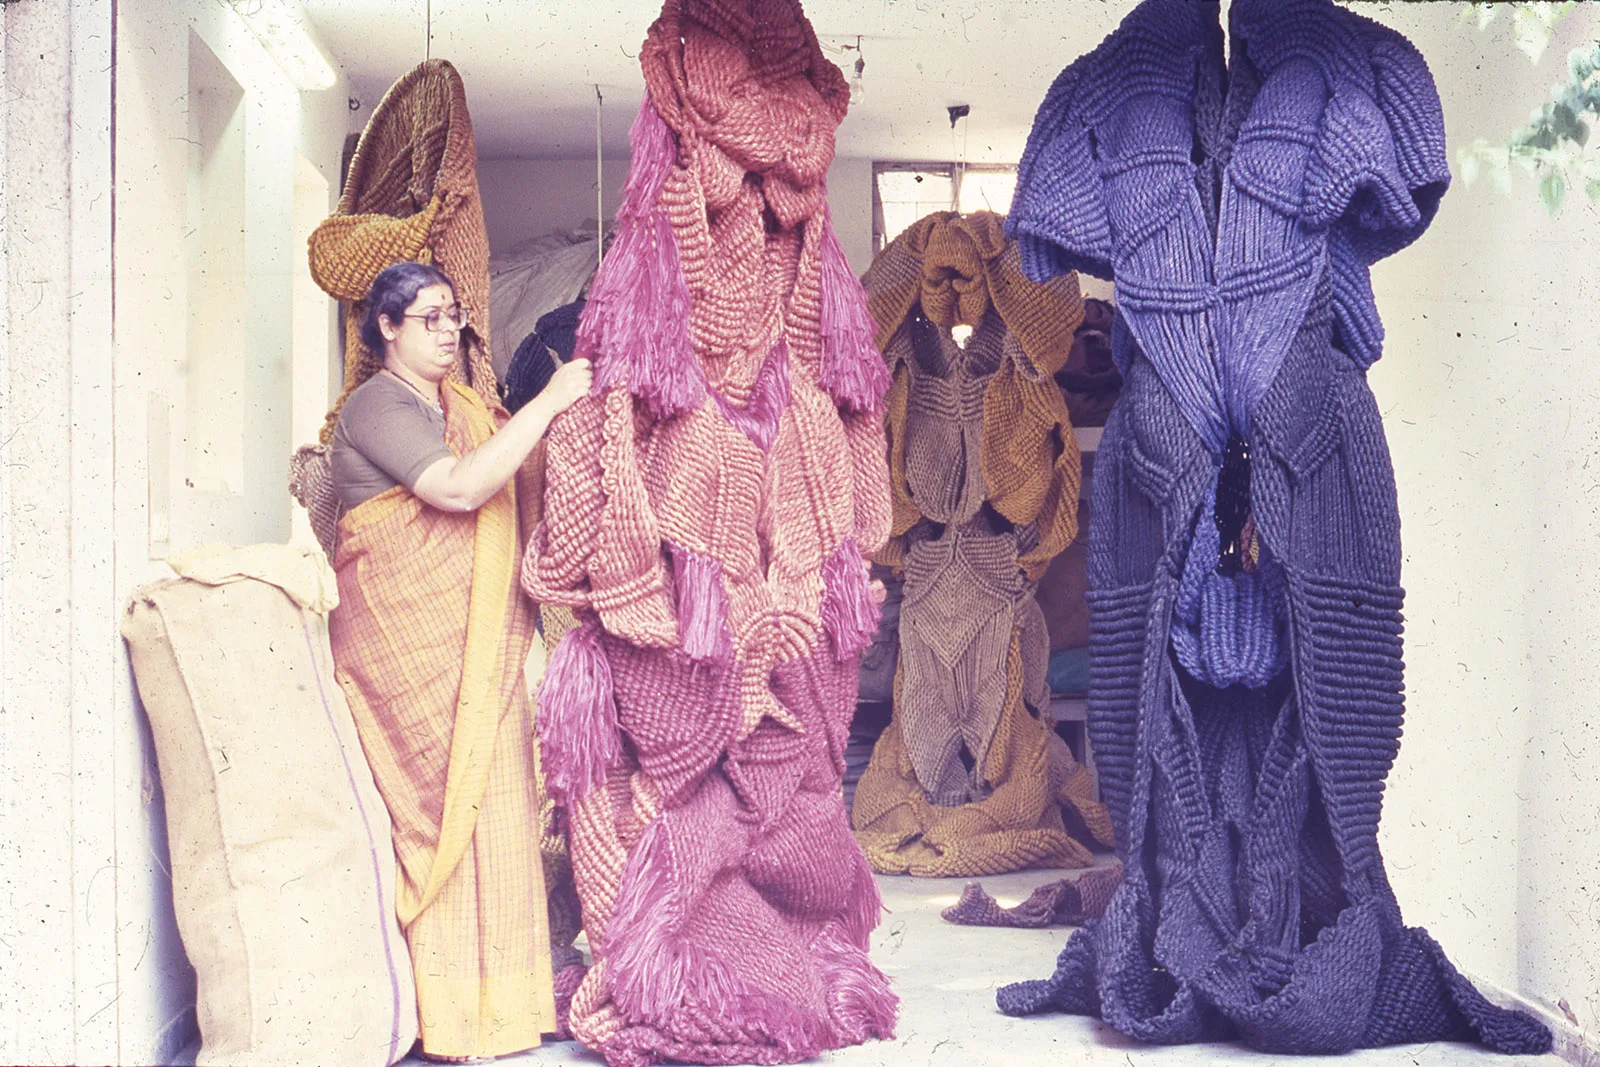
401	379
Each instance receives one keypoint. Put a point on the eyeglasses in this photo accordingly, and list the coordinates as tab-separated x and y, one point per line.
434	321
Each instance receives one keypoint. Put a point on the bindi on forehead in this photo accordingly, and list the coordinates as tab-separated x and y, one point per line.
433	298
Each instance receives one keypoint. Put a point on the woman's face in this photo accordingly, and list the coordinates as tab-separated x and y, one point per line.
411	345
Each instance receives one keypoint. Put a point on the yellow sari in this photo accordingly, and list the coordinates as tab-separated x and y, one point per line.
429	642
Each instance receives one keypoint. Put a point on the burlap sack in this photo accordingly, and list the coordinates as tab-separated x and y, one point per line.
282	863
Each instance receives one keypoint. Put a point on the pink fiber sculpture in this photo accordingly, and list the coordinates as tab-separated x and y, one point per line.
709	510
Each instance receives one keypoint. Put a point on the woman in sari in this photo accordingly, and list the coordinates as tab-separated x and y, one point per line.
429	642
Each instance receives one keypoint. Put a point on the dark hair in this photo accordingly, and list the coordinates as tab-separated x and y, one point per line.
394	290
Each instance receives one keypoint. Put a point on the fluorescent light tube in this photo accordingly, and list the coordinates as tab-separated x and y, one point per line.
280	26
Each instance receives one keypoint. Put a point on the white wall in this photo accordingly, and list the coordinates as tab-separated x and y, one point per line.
525	198
315	364
1491	398
59	856
93	413
850	200
239	498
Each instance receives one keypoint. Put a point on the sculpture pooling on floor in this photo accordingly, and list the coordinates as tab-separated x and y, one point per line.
970	777
1246	693
709	513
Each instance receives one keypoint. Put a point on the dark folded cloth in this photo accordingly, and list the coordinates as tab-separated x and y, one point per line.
1089	379
1069	902
540	353
881	658
1063	592
1068	673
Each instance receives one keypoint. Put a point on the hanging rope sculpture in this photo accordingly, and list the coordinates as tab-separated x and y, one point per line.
411	194
1246	693
709	513
970	777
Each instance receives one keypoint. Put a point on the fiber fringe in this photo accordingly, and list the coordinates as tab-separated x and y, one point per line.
702	606
577	719
859	999
759	419
655	974
853	371
636	325
849	614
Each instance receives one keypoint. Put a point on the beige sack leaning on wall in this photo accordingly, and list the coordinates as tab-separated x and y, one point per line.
282	866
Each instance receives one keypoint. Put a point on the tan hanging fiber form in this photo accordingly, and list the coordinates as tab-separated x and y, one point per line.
953	270
411	194
970	777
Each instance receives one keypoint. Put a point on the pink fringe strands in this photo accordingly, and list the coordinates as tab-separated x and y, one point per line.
849	613
577	720
853	370
702	606
636	325
758	420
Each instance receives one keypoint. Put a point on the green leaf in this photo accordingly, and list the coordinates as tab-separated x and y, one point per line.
1552	190
1469	168
1583	61
1564	122
1535	24
1592	187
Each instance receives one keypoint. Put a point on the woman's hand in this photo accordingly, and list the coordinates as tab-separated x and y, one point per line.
463	484
569	384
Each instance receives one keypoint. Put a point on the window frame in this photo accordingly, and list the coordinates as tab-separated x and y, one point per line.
956	172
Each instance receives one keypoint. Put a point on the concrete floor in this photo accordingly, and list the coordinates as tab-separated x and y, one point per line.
946	976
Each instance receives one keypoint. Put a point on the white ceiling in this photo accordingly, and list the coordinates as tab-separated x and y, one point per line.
530	66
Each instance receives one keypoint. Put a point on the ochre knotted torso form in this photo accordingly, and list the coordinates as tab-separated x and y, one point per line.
970	777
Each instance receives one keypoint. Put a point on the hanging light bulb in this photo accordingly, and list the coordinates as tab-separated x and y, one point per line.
858	87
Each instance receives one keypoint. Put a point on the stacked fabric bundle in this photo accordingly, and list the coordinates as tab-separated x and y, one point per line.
709	514
970	777
279	842
1246	696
